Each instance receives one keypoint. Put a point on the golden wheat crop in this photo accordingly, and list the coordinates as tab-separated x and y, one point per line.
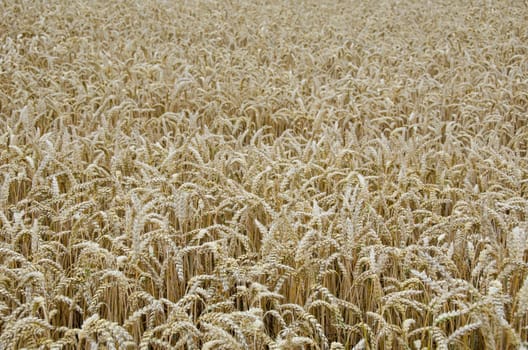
264	174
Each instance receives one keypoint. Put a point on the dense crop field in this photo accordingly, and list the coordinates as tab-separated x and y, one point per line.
265	174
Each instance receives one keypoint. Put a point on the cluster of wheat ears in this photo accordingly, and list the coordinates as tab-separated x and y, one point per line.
263	174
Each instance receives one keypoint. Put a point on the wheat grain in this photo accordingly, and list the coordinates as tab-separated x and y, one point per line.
263	174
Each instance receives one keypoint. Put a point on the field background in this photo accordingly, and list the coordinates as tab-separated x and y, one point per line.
263	174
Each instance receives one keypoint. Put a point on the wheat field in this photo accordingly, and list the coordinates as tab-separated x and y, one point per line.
266	174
